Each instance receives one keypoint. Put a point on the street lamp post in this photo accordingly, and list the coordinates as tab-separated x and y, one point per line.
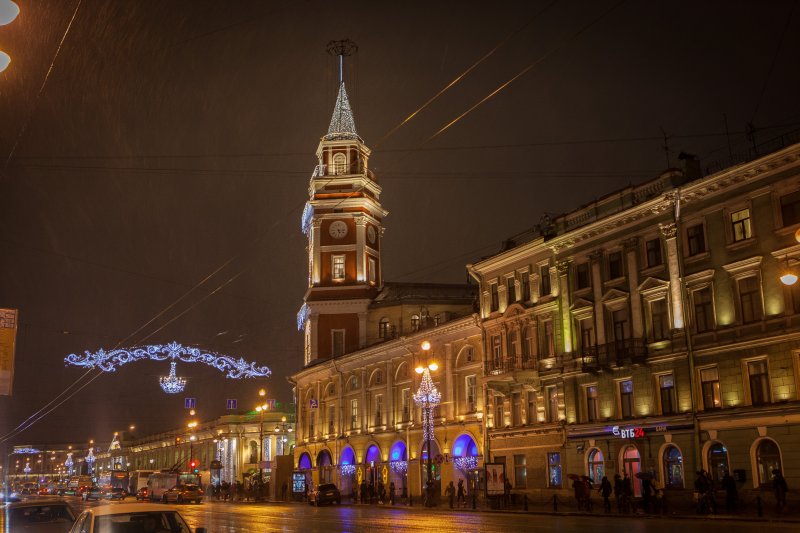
282	429
261	409
427	397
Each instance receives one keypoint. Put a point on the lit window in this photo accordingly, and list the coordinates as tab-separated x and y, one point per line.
673	467
383	328
718	461
339	164
414	322
597	469
740	225
758	378
353	414
554	478
338	267
709	385
592	411
626	398
768	459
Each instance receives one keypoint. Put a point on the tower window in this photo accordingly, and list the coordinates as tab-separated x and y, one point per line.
371	266
339	164
338	267
337	338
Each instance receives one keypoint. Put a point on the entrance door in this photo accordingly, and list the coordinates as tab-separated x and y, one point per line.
632	464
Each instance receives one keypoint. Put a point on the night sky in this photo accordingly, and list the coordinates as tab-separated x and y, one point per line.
176	139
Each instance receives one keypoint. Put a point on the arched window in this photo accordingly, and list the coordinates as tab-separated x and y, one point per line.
768	460
414	322
352	383
718	461
339	164
596	465
673	468
383	328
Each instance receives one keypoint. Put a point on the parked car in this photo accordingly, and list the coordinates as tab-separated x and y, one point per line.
9	496
131	517
115	493
30	488
92	493
188	492
52	515
142	494
325	493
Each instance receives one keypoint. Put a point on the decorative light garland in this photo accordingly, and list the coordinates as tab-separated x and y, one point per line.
27	468
90	456
68	463
399	467
172	384
110	361
427	397
26	451
342	126
466	464
302	316
348	470
305	219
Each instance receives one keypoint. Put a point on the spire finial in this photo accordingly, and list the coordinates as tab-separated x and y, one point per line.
342	48
342	124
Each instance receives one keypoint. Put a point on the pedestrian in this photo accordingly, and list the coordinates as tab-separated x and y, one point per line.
381	492
605	492
371	492
507	492
461	494
587	493
577	491
391	492
700	490
618	492
450	492
362	490
647	493
731	493
627	493
781	488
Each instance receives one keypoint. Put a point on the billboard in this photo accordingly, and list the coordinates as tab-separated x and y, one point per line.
8	337
495	478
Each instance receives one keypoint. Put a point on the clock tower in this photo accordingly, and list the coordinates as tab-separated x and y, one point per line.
343	222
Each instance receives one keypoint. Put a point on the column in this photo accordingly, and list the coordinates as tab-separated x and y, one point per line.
596	259
315	254
318	420
313	336
670	233
564	303
448	379
362	415
389	406
361	255
631	247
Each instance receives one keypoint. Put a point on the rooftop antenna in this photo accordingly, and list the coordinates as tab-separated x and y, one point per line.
342	48
666	146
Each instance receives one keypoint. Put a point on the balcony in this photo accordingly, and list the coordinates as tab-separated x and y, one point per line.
612	354
507	365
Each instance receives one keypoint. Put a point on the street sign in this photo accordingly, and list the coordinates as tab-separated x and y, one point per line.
231	403
189	403
313	403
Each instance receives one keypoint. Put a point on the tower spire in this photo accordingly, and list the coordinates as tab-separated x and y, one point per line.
343	125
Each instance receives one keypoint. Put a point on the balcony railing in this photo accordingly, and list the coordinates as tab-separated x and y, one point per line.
617	353
495	367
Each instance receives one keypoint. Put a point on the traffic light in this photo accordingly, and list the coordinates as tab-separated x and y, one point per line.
193	466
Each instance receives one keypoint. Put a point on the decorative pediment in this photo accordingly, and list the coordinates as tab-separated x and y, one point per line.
697	278
653	285
744	267
514	310
614	295
581	303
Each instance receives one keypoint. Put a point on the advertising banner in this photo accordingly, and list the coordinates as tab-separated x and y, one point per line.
8	337
495	478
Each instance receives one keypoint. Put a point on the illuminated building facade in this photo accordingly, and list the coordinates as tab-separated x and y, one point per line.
650	332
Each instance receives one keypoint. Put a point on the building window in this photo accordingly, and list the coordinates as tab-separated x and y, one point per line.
499	415
768	459
614	265
626	398
337	346
528	340
530	413
544	280
405	401
371	267
790	208
552	404
516	409
592	410
331	419
471	390
339	164
659	320
526	287
312	416
619	323
354	414
512	338
495	297
673	468
379	410
383	328
497	351
511	290
666	388
718	461
548	348
653	251
469	354
695	240
597	469
377	378
520	472
338	267
587	335
554	478
740	225
709	385
703	310
750	300
414	322
758	378
582	277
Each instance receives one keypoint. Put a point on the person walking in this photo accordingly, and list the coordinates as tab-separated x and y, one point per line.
461	494
647	493
618	492
391	492
605	492
627	492
577	491
450	492
731	493
362	490
780	488
700	489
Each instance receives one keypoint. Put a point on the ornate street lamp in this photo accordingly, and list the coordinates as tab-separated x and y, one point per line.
282	429
427	398
261	409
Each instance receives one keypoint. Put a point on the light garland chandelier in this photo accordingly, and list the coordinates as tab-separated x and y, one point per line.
172	384
348	470
466	464
427	398
110	361
399	467
68	463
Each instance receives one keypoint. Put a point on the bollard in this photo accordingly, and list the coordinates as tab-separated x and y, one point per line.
526	502
555	503
759	506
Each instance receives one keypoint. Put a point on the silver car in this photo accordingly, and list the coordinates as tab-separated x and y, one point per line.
132	518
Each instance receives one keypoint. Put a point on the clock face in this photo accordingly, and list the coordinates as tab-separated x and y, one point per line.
338	229
371	234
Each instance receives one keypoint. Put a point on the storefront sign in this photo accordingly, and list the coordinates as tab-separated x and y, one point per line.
630	432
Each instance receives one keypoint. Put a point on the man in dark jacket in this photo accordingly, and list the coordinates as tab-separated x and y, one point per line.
731	493
781	488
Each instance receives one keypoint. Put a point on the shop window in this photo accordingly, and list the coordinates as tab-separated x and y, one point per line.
740	225
632	465
653	251
596	465
695	240
520	472
768	461
673	468
554	478
718	461
758	379
666	387
709	385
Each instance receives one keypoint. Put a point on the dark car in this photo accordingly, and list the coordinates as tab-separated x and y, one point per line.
115	493
40	516
325	493
183	494
92	493
143	494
